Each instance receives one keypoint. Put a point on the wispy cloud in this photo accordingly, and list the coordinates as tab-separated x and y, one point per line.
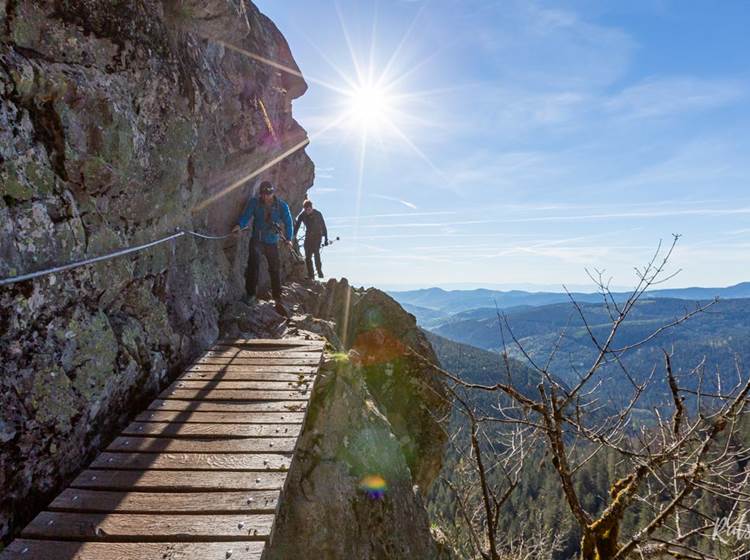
458	221
395	199
544	121
660	97
536	46
393	215
324	172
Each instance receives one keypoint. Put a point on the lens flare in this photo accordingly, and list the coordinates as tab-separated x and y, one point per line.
374	486
370	106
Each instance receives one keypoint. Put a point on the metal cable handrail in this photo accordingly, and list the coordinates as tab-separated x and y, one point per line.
108	256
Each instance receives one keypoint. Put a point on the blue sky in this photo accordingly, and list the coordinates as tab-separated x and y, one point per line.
523	142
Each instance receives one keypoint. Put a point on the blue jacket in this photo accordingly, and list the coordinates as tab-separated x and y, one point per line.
263	220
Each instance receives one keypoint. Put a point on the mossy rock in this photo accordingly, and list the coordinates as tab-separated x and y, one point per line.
53	400
95	353
11	185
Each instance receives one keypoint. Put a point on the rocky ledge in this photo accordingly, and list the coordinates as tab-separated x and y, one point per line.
373	439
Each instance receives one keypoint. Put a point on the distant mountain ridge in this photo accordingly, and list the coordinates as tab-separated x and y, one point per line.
447	302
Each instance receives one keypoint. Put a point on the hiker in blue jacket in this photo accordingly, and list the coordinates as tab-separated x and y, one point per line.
271	220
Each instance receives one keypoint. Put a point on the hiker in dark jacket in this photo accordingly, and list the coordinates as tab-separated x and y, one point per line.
315	231
271	219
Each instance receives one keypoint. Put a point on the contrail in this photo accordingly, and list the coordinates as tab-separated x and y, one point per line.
396	199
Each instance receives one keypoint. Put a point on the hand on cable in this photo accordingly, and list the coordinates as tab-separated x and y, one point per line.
236	228
288	243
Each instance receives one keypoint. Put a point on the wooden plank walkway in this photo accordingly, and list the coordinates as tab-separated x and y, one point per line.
199	474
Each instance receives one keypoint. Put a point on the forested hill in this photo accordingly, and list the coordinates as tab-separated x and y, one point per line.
536	508
475	365
718	338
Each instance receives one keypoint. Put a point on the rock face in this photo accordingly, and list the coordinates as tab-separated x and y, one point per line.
119	122
373	441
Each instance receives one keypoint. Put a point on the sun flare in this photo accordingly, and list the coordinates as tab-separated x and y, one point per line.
370	106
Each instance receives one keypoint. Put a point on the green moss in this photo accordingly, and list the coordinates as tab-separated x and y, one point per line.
151	312
96	172
340	358
53	400
23	31
117	143
23	80
42	178
24	178
95	354
12	186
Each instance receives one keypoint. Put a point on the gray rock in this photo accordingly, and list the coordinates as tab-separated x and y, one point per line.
372	414
331	509
118	122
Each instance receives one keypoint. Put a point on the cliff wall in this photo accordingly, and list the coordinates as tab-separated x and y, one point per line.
119	121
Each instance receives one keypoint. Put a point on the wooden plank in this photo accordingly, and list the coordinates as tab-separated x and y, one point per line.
177	430
265	342
221	417
273	354
28	549
230	395
242	361
240	373
228	445
204	385
151	527
286	354
179	481
192	461
231	368
204	463
102	501
228	406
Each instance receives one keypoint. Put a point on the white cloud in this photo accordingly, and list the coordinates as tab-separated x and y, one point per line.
324	172
534	45
658	97
395	199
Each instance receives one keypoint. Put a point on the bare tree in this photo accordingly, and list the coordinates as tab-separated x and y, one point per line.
487	469
691	453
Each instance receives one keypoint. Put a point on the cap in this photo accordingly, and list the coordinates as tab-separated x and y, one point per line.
266	188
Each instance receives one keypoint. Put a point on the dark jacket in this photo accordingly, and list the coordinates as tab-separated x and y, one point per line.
315	225
267	221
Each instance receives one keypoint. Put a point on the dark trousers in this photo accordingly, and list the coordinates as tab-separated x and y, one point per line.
258	249
312	249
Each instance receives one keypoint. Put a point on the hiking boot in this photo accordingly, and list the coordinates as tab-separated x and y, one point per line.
320	275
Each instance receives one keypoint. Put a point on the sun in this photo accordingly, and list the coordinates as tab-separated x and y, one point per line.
368	102
369	107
